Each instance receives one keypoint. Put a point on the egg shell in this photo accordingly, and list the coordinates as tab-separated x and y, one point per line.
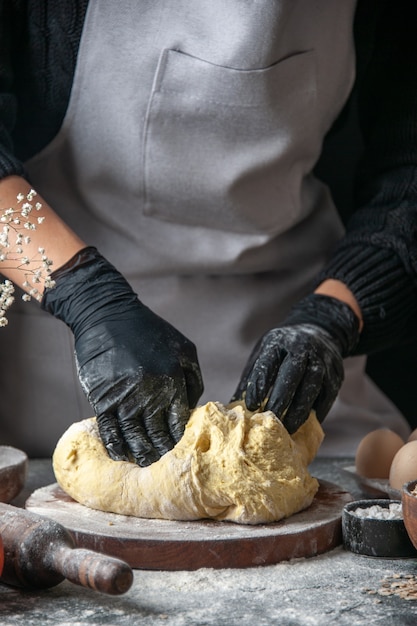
376	452
413	435
404	465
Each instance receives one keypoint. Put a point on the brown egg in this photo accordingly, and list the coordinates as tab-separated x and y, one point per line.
413	435
404	465
375	453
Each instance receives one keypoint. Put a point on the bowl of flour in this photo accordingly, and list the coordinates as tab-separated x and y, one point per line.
376	528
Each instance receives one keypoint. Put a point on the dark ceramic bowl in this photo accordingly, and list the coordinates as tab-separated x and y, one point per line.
375	537
13	469
409	501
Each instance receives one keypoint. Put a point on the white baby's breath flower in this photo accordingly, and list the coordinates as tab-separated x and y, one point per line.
49	283
36	269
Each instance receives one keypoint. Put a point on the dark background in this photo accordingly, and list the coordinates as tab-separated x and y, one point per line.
393	370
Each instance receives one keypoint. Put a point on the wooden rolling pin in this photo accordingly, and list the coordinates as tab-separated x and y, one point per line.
39	553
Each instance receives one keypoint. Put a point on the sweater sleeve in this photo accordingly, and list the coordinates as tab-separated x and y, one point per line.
38	52
377	258
9	163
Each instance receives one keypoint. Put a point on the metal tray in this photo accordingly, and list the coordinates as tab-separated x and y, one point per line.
375	487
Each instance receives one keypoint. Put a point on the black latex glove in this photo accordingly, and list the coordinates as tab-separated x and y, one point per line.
140	374
299	365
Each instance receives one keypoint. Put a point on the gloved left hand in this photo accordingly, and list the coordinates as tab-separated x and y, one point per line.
140	374
298	366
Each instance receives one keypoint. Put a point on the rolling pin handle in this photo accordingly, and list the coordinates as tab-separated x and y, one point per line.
93	570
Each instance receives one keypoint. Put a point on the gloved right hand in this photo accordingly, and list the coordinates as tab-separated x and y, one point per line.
298	366
140	374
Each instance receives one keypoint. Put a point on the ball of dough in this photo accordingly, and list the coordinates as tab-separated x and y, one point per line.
229	465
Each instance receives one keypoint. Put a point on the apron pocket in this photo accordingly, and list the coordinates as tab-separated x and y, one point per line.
226	148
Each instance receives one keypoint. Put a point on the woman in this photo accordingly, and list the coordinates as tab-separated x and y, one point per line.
178	146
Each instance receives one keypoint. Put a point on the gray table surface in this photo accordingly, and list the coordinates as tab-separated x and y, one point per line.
338	587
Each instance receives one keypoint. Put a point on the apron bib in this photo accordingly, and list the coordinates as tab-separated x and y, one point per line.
185	156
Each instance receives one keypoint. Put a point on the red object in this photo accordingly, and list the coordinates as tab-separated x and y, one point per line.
1	556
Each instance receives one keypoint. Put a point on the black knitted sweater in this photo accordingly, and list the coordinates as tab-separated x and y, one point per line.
377	258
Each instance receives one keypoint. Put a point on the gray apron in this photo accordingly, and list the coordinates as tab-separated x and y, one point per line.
185	156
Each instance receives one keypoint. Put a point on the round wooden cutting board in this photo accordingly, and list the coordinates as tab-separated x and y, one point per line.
170	545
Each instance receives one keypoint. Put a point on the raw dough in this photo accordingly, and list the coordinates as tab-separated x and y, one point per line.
229	465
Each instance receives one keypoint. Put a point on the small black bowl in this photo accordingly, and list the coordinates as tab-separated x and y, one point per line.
375	537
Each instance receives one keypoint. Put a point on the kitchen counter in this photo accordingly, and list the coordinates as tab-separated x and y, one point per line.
338	587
